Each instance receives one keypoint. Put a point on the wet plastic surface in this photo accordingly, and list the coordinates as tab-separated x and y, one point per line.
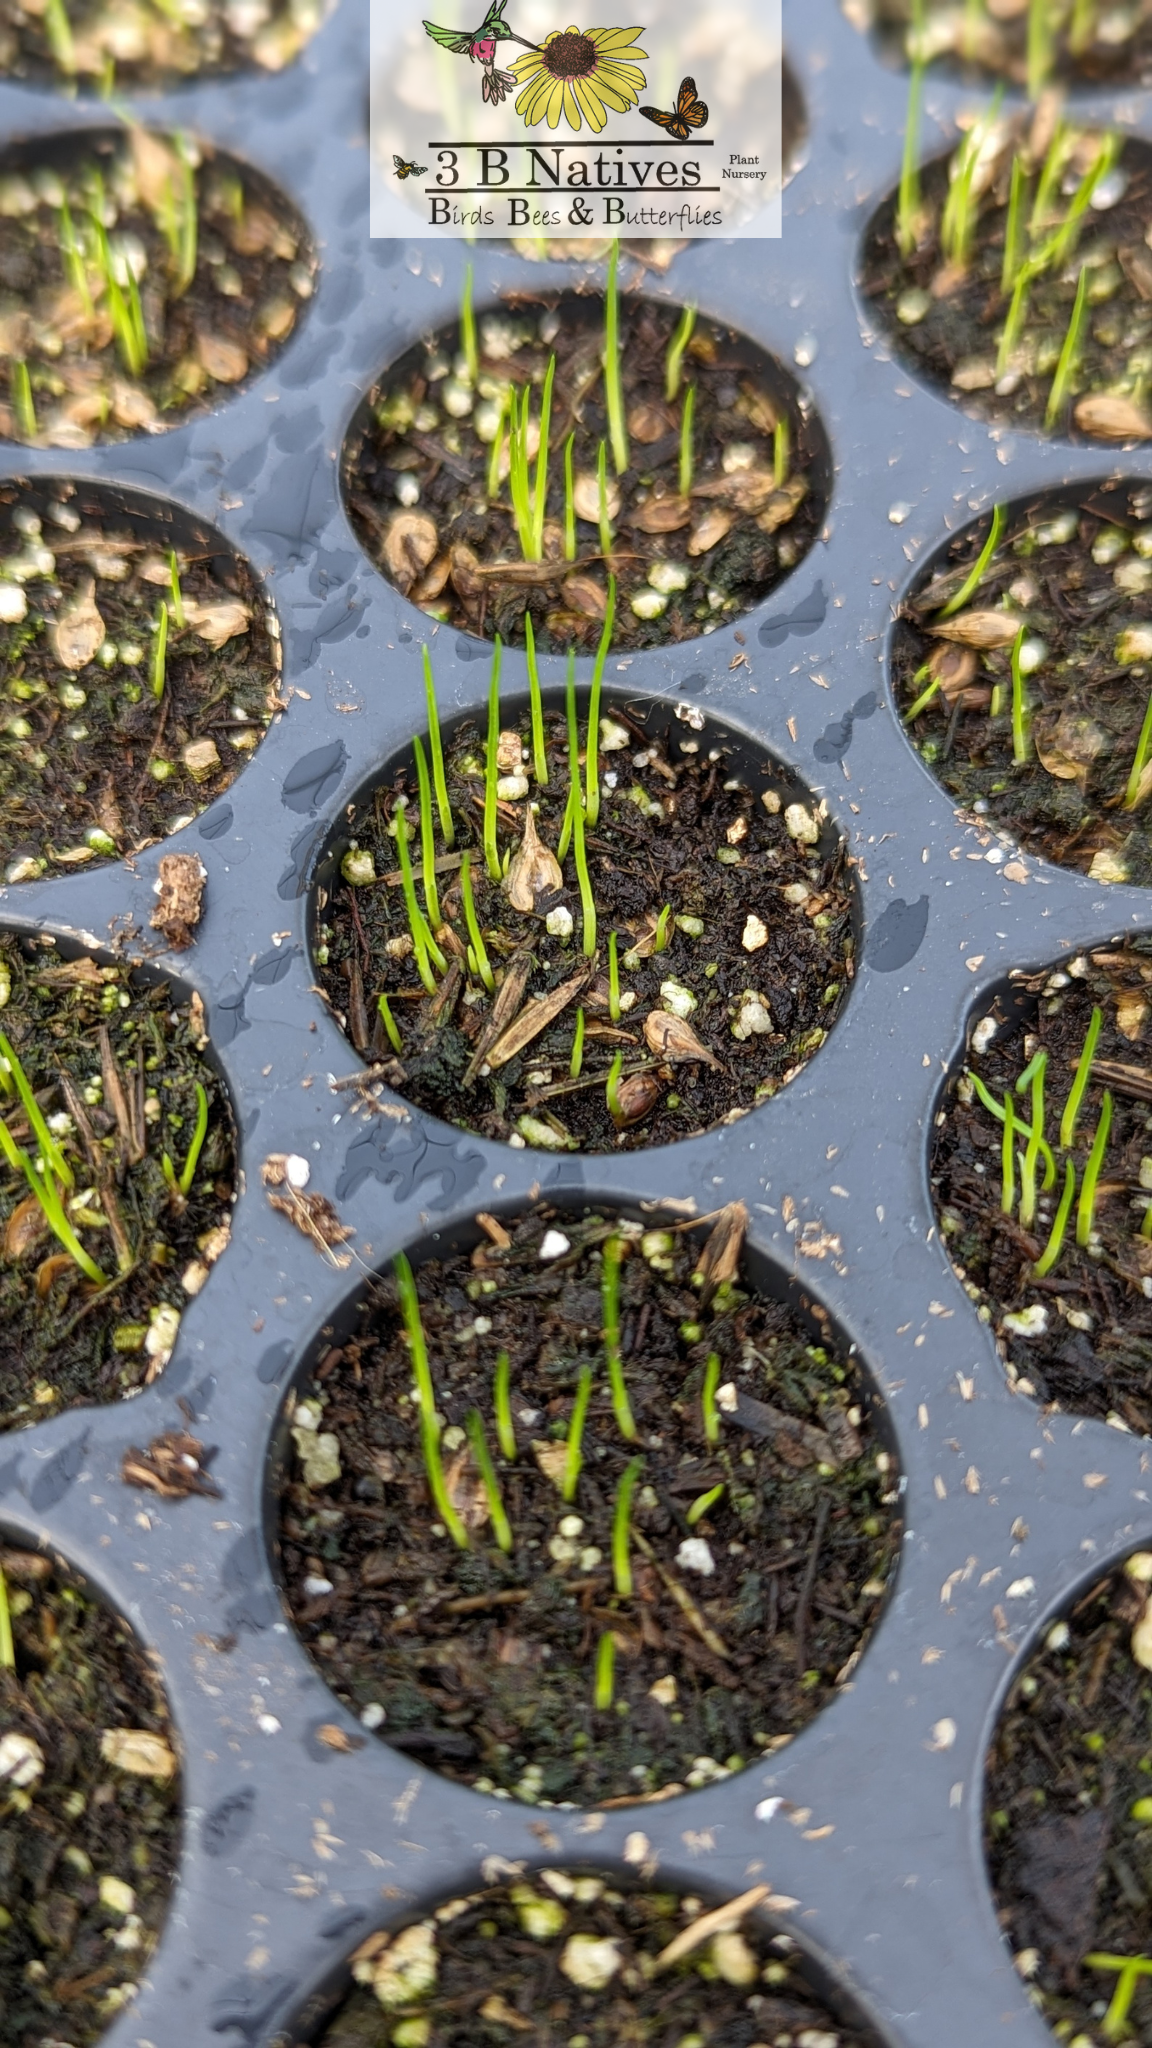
294	1852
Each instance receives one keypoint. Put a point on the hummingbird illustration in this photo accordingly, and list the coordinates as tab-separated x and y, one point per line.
479	46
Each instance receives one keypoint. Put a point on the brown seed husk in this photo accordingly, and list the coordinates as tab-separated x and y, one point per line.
982	629
409	546
1112	419
670	1038
79	631
533	872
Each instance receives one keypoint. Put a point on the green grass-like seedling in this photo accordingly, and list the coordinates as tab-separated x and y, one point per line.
436	748
53	1157
389	1022
610	1259
180	1186
1080	1083
58	30
1017	307
674	357
605	1688
613	382
429	1425
491	767
1086	1206
427	836
709	1410
75	267
1039	47
43	1186
158	663
612	1091
908	195
1115	2026
1069	354
569	503
468	346
577	1060
540	492
1143	748
1062	244
1021	740
576	819
573	1461
1008	1160
507	403
174	586
502	1403
961	208
621	1528
604	522
702	1503
687	455
424	946
501	1527
925	698
781	451
1014	228
975	576
663	932
592	763
480	951
1055	1244
519	483
23	404
7	1646
539	749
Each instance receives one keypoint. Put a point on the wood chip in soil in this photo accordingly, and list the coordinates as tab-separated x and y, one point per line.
1079	1335
88	1846
113	1066
143	280
747	1611
758	962
1068	1811
416	477
95	762
1074	572
566	1956
945	312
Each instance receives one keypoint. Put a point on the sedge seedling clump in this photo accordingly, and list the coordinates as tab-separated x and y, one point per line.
605	1965
1016	273
606	1520
90	1806
132	48
506	470
1032	44
1042	1178
1068	1816
588	932
116	1178
138	676
143	278
1023	671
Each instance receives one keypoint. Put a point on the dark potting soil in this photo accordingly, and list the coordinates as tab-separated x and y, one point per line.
1076	573
1081	43
141	280
1080	1335
94	763
564	1958
113	1065
417	460
760	942
1068	1813
130	47
946	318
746	1612
89	1811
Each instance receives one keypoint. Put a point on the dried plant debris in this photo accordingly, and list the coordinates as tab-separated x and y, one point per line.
562	1955
1048	1219
1029	44
620	1540
88	45
139	677
684	961
1028	690
116	1179
142	279
1017	274
1068	1816
286	1175
173	1465
90	1807
501	472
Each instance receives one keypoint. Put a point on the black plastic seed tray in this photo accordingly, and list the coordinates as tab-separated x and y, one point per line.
292	1852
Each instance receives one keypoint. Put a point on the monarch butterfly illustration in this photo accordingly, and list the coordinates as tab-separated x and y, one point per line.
404	170
690	112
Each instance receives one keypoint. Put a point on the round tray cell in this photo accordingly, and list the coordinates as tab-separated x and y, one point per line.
696	970
90	48
1050	1229
141	664
143	280
1015	276
641	1539
90	1799
709	496
571	1958
116	1176
1085	44
1025	654
1068	1817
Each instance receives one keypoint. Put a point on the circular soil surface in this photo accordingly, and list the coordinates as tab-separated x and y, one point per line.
758	1556
135	48
1086	44
142	280
757	960
1068	1817
420	493
109	741
90	1798
997	351
113	1064
1071	577
572	1959
1078	1335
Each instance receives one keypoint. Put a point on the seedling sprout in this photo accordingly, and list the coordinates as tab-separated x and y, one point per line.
781	451
1055	1243
569	505
539	750
505	1434
7	1646
592	766
703	1501
605	522
468	346
908	198
1021	742
616	1108
479	951
573	1460
711	1413
436	747
577	1061
611	1257
491	767
605	1672
427	836
1143	747
1080	1083
429	1421
576	816
975	576
177	593
389	1021
183	1185
687	460
22	401
58	30
1087	1203
613	383
1115	2024
1008	1159
158	664
674	359
621	1525
501	1528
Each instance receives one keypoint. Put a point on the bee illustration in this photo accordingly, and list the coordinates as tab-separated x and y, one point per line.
690	112
404	170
